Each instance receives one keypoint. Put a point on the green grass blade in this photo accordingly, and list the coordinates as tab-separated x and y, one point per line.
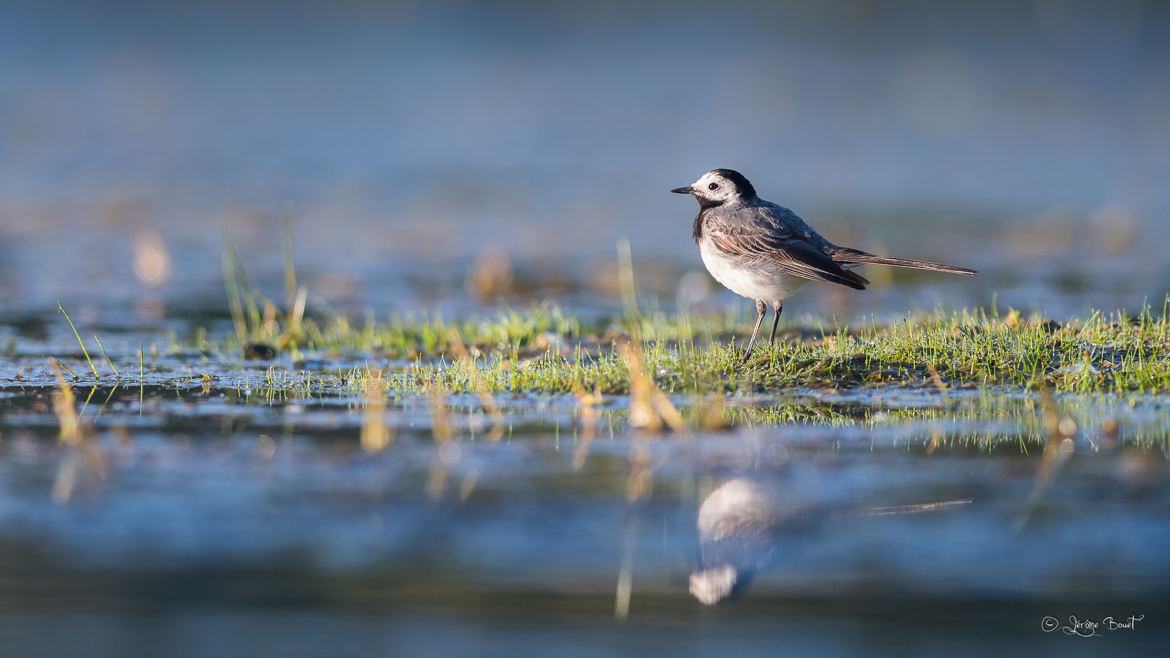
79	342
110	361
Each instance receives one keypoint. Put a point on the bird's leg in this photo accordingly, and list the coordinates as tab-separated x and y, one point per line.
761	310
778	307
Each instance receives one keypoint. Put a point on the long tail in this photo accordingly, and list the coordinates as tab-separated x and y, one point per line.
847	255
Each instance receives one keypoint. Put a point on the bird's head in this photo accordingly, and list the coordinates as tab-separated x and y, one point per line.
717	187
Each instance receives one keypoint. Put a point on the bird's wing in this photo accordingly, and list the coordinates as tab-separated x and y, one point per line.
793	254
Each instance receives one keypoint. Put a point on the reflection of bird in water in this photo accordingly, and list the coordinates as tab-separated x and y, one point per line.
739	524
736	526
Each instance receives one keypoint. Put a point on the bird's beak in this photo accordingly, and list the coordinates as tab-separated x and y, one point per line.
683	190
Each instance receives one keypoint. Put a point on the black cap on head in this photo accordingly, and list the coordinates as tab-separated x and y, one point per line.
742	184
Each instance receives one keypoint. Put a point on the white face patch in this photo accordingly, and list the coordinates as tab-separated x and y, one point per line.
724	189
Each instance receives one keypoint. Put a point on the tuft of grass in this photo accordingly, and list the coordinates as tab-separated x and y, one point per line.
117	375
65	408
240	295
375	434
79	342
545	351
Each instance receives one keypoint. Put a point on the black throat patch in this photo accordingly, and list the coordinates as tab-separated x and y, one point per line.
697	230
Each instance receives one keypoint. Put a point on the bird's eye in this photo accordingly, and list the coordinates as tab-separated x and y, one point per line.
713	186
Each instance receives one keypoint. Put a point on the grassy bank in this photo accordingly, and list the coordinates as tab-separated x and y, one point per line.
546	350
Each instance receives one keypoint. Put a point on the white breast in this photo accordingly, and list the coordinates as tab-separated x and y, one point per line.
754	278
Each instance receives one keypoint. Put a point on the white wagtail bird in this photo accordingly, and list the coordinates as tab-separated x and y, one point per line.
765	252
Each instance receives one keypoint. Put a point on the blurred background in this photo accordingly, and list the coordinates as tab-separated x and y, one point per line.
449	156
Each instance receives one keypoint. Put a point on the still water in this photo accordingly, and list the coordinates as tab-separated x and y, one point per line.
237	518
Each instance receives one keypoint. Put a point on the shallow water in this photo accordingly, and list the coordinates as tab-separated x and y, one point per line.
227	510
